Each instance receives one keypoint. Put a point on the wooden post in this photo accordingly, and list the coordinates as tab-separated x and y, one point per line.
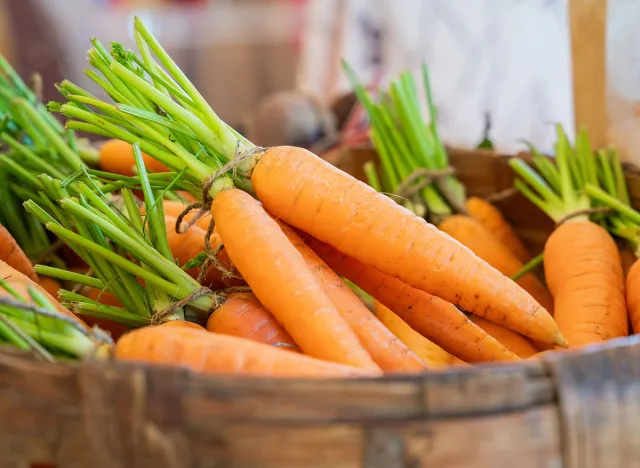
588	53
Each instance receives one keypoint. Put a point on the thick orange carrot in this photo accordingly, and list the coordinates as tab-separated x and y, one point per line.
20	283
389	352
432	317
217	353
187	245
281	280
243	315
116	156
491	218
514	342
633	296
429	352
50	285
583	269
11	253
310	194
492	250
184	324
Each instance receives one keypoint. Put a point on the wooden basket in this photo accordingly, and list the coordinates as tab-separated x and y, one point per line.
578	409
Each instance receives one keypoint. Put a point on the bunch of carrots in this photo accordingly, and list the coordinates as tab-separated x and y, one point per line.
198	249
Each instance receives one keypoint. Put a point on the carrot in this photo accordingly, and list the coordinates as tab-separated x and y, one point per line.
513	341
485	245
21	282
217	353
50	285
280	279
390	353
308	193
11	253
491	218
116	330
184	324
174	208
116	156
633	296
628	259
243	315
187	245
432	317
429	352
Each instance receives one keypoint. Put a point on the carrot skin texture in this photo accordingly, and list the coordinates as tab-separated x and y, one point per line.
116	156
14	256
432	317
429	352
514	342
485	245
633	296
386	349
310	194
281	280
50	285
493	220
243	315
584	272
207	352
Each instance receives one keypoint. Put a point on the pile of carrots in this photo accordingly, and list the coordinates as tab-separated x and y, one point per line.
193	247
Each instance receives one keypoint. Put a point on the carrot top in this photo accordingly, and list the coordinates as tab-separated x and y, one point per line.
558	189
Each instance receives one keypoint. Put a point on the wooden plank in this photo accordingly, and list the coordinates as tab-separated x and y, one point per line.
588	58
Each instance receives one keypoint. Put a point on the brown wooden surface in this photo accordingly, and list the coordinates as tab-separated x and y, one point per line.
578	409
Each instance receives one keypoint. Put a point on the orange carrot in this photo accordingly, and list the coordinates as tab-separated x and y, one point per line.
11	253
432	317
50	285
243	315
20	283
583	269
491	218
217	353
116	156
429	352
310	194
187	245
633	296
485	245
281	280
174	208
628	259
513	341
184	324
390	353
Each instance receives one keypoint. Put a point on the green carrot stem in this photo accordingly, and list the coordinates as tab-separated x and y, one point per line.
65	275
30	156
601	196
528	267
371	173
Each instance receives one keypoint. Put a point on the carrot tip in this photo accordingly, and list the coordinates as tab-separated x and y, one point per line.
560	340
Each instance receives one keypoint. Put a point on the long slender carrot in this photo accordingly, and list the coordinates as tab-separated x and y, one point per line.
584	272
243	315
493	220
187	245
485	245
429	352
217	353
281	280
11	253
308	193
389	352
116	156
432	317
513	341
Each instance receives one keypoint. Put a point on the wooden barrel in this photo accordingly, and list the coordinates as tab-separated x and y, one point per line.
575	409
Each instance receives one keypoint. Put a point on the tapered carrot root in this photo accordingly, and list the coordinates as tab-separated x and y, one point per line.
490	217
14	256
206	352
514	342
583	269
432	317
281	280
21	283
429	352
485	245
187	245
310	194
389	352
243	315
633	296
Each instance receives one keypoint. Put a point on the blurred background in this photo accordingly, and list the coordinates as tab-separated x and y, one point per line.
507	59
